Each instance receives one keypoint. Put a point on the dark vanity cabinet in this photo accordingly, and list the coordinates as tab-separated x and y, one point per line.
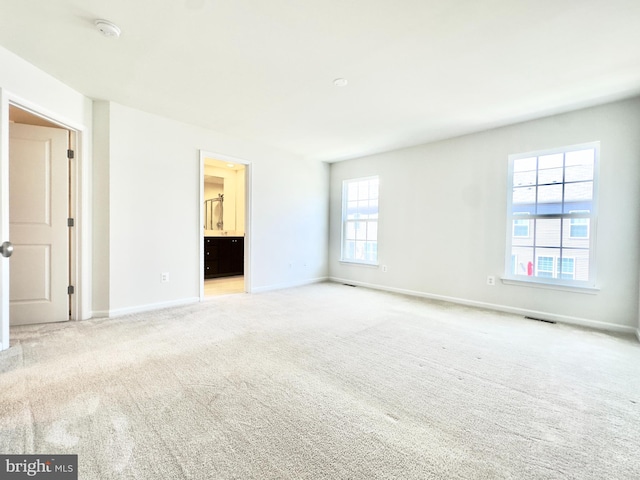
223	256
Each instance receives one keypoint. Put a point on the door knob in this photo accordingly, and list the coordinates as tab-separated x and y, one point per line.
6	249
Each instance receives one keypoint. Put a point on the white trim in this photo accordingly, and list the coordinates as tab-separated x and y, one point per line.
248	207
282	286
551	286
582	322
638	334
119	312
359	264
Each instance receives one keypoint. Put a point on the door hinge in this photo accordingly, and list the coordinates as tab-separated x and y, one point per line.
70	154
71	290
70	222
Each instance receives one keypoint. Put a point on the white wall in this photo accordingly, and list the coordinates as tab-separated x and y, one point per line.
100	207
443	217
154	211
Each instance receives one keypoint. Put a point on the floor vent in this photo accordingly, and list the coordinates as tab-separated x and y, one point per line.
540	320
348	285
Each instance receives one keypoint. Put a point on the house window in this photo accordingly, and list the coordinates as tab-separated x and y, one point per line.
579	227
566	268
556	191
545	267
360	220
520	227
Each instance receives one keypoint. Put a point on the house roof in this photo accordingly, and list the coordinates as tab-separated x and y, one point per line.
417	70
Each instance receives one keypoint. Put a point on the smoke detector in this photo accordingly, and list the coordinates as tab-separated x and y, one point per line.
107	29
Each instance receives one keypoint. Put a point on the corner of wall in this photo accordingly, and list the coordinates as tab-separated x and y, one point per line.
100	205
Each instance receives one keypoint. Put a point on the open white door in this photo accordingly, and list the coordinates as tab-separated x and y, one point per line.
38	211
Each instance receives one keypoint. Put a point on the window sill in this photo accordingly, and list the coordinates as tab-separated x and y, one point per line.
551	286
359	264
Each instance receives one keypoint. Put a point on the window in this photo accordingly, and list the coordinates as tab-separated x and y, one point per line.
566	268
545	267
360	220
520	228
579	227
556	191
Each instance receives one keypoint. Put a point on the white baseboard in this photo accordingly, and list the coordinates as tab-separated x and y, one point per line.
119	312
282	286
582	322
638	334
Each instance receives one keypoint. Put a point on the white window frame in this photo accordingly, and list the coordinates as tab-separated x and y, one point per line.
510	276
344	257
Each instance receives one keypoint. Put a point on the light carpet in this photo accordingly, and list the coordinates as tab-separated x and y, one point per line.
324	382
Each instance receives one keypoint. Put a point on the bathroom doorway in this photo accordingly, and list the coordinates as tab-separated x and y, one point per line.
224	226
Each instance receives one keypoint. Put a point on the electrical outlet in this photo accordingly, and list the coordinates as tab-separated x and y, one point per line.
164	277
491	280
384	269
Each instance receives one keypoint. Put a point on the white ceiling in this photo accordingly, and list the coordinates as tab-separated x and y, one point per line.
418	70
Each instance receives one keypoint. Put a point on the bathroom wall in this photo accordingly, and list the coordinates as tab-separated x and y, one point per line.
234	196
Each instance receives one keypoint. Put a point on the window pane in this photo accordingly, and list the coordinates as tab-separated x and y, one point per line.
548	232
352	210
363	209
550	169
579	165
371	249
521	228
544	267
349	250
552	175
575	192
550	161
350	231
524	178
565	268
581	260
549	199
525	164
545	262
372	231
522	261
524	200
373	208
579	228
361	230
373	188
352	191
522	232
363	190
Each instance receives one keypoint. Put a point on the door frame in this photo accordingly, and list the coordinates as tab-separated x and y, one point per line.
247	217
80	181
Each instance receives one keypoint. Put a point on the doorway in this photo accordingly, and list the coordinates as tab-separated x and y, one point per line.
224	226
40	156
